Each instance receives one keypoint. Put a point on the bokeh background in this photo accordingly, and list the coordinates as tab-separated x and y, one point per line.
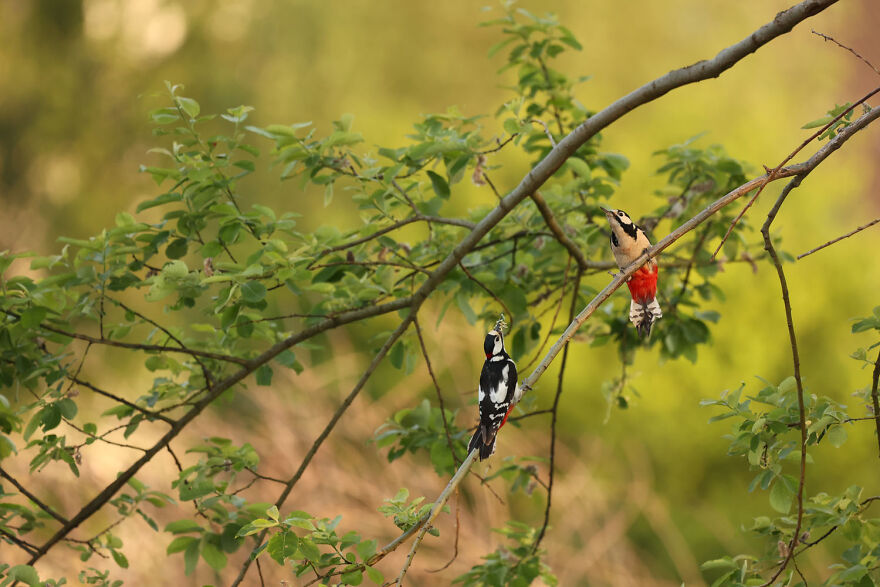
641	499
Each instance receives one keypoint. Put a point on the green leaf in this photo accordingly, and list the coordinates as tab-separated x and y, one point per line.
837	436
375	576
353	578
725	563
264	376
189	106
183	526
781	496
191	557
180	544
213	556
308	549
396	355
176	249
282	546
24	573
253	292
119	558
441	188
67	407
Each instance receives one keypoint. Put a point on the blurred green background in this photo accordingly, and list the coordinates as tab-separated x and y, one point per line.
640	500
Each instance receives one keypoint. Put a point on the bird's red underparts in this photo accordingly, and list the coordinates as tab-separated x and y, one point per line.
643	284
510	409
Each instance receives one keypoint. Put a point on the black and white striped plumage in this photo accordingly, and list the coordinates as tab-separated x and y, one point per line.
497	393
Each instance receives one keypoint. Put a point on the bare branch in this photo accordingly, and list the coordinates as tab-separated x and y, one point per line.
555	413
840	238
138	346
773	173
122	400
32	497
564	239
435	511
437	389
850	49
874	399
802	413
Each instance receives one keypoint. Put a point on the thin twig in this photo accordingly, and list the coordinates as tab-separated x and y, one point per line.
555	315
842	46
840	238
802	413
307	459
25	546
437	389
555	413
457	534
564	239
122	400
32	497
774	172
874	379
435	510
490	292
137	346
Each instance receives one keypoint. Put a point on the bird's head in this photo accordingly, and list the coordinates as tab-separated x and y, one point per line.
494	343
623	229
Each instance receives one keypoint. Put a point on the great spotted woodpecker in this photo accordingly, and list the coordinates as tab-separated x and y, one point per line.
628	242
497	392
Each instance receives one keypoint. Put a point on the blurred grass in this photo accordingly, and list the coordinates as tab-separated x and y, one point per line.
641	500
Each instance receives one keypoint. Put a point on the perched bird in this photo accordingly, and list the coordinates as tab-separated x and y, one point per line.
497	393
628	242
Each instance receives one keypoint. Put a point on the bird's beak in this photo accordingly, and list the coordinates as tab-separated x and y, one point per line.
608	212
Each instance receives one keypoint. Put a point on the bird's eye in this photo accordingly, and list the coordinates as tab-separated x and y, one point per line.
620	214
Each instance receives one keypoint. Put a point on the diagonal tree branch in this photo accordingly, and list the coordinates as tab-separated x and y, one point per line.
32	497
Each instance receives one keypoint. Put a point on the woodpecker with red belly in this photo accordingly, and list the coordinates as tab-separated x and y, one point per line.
628	242
497	394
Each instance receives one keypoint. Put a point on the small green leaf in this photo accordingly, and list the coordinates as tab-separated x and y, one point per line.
253	292
191	557
837	436
180	544
781	496
24	573
176	249
441	188
189	106
282	546
264	377
119	558
213	556
375	576
183	526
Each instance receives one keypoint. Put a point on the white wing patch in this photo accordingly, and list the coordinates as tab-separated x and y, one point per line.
499	395
480	394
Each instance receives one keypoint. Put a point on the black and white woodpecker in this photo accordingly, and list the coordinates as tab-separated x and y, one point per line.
628	242
497	394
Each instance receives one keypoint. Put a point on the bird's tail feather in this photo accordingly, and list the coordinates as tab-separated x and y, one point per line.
486	450
643	316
